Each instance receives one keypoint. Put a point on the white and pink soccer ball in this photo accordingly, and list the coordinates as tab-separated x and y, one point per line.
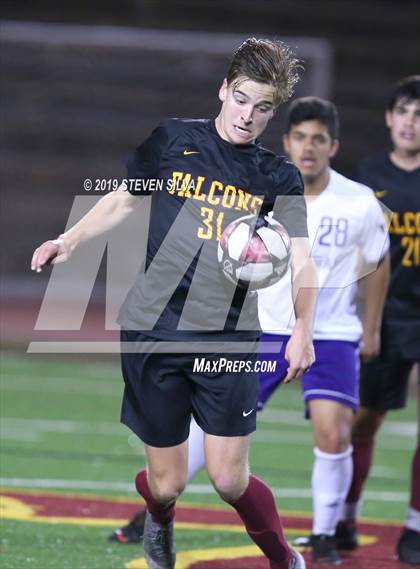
254	252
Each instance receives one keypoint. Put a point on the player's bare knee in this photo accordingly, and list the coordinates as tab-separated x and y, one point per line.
229	485
333	437
166	495
366	424
167	490
334	441
334	447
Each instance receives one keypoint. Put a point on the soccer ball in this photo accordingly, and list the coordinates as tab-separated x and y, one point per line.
254	252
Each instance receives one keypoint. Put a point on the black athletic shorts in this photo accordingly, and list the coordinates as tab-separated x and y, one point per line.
384	380
163	390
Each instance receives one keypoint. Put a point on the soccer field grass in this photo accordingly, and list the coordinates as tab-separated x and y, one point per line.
60	431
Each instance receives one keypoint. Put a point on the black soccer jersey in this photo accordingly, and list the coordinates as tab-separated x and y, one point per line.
399	190
203	184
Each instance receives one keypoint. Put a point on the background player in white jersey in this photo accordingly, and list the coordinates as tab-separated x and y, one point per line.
346	226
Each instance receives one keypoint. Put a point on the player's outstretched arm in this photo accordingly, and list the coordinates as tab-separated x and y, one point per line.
111	210
376	289
299	350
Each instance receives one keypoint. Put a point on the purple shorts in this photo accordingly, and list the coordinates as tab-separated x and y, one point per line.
334	375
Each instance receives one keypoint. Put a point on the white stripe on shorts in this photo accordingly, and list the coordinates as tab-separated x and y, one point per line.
333	394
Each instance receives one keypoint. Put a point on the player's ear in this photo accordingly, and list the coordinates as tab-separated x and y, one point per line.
223	90
334	148
286	144
388	118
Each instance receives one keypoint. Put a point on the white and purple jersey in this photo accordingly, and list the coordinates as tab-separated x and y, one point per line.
346	229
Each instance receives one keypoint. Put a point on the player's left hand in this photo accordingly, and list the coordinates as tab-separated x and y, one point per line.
299	353
370	345
50	253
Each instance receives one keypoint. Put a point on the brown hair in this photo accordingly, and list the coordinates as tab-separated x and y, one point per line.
266	61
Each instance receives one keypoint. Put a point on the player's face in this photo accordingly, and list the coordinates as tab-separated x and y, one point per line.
311	148
404	125
247	107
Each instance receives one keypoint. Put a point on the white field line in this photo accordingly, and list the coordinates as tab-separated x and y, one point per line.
295	418
304	438
91	371
11	435
111	384
12	428
88	386
381	471
16	425
114	389
295	493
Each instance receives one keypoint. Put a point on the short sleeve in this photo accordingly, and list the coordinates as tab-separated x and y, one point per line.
290	208
360	173
364	174
374	238
143	163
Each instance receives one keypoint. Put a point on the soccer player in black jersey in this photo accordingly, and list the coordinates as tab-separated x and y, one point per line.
213	171
395	177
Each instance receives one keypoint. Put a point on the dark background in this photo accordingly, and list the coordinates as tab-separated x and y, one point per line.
72	110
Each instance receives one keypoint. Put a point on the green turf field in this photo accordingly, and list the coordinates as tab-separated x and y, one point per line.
60	430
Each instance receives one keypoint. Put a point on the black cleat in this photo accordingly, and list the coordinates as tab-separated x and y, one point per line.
132	532
346	536
408	548
324	550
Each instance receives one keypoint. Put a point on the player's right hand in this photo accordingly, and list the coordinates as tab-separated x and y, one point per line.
299	353
49	253
370	345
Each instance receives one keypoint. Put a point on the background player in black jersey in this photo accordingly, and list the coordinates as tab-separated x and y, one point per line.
395	177
232	175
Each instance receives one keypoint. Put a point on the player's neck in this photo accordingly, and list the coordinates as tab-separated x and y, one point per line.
405	160
315	186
